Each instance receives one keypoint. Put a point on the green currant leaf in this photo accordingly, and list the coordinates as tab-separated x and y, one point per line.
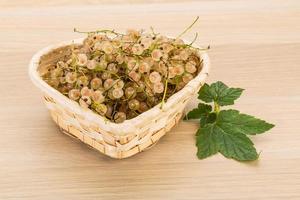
206	141
236	122
212	139
210	118
219	93
227	135
203	112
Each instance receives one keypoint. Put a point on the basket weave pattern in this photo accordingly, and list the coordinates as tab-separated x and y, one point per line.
115	140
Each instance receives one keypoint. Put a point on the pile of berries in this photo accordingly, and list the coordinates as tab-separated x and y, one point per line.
120	76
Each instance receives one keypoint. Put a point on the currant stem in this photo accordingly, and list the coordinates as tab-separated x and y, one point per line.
166	87
105	31
194	40
165	93
188	28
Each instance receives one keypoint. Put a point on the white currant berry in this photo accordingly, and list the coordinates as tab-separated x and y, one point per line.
156	54
108	83
140	87
98	46
120	59
82	81
167	48
184	54
130	92
74	94
91	64
119	117
109	57
109	111
97	96
146	42
118	84
158	88
71	77
117	93
180	85
154	77
85	101
82	59
149	61
149	91
106	75
144	67
152	100
112	67
85	91
172	72
61	64
117	42
163	68
137	49
187	77
141	96
107	47
58	72
96	83
103	63
133	33
135	76
134	104
101	109
178	69
131	63
143	107
190	67
123	108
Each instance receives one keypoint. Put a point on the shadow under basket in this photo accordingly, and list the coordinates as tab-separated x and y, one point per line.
115	140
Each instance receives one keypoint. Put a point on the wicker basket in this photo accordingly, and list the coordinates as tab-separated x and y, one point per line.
115	140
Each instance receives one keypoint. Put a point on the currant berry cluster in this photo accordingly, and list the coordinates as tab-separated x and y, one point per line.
120	76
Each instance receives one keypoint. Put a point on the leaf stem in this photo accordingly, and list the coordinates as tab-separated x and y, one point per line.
216	107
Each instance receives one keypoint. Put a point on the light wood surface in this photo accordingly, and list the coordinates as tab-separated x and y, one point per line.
255	45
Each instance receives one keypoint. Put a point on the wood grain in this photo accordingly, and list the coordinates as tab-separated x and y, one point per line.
255	45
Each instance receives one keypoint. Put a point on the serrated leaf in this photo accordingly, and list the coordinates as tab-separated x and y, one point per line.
234	121
193	114
203	112
219	93
206	141
236	146
228	136
213	139
204	94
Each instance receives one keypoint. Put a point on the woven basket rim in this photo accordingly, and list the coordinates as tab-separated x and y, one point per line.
123	127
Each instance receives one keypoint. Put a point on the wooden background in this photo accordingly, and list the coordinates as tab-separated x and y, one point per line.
255	45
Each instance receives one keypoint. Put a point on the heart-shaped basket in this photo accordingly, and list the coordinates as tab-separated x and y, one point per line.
115	140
